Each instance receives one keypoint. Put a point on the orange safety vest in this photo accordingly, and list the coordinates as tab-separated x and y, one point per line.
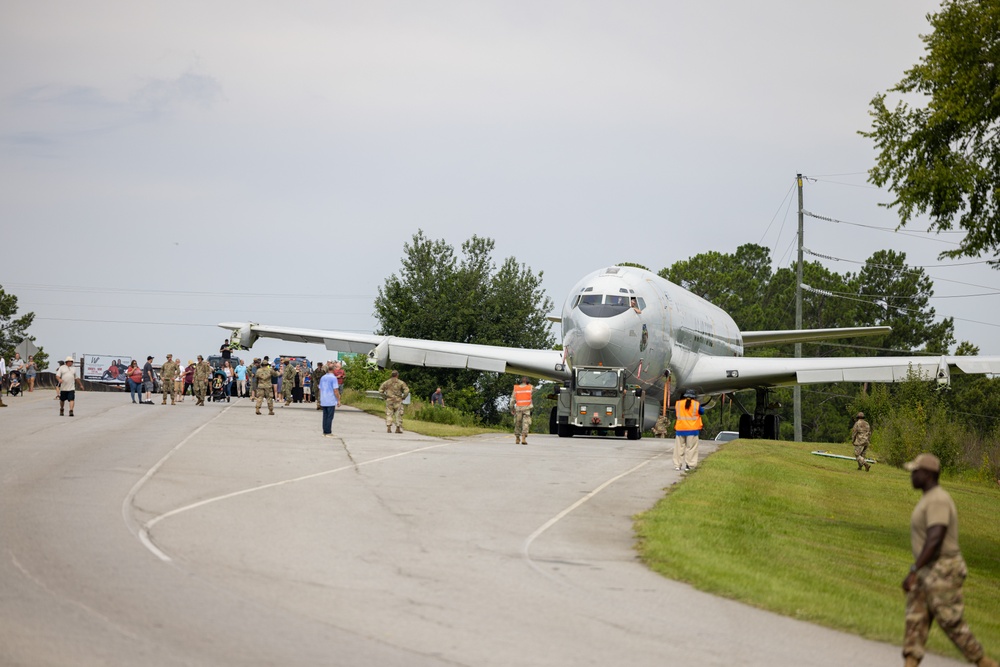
522	395
688	419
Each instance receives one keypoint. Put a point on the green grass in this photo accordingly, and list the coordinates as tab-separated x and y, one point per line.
769	524
376	406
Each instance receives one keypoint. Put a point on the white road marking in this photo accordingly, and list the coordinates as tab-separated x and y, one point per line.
526	548
142	532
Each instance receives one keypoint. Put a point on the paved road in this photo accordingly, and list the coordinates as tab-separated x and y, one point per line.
186	535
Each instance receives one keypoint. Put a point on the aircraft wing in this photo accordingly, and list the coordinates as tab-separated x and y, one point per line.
546	364
723	374
758	338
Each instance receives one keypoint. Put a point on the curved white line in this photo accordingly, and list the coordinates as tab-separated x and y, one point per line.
526	548
144	530
130	523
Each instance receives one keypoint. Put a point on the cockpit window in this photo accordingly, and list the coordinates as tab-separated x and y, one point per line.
603	305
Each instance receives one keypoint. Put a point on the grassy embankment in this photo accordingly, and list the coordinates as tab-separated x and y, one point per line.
810	537
376	406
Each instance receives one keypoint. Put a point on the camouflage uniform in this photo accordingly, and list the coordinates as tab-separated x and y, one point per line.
263	376
202	372
861	434
938	594
661	427
317	375
288	382
253	377
167	373
394	390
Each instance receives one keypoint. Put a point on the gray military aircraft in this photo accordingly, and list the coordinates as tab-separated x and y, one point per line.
666	340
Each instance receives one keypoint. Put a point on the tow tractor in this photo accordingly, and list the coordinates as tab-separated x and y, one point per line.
597	400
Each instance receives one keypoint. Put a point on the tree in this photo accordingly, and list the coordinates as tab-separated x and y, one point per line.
943	159
892	293
13	330
435	296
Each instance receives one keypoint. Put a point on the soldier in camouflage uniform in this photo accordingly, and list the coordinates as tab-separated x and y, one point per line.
934	584
288	381
861	434
317	375
661	427
394	391
202	371
253	377
264	375
167	374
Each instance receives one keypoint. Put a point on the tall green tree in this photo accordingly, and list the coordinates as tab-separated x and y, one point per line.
439	296
941	157
13	329
892	293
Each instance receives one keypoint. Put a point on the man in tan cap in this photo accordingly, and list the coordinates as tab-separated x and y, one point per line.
934	584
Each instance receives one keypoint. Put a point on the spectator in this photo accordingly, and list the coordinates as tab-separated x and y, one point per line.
133	375
68	382
338	371
437	398
230	377
188	378
30	372
241	380
147	380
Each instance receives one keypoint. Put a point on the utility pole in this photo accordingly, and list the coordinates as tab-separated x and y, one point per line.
797	390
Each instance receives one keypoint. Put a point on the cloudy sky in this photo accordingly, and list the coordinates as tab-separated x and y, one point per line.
168	166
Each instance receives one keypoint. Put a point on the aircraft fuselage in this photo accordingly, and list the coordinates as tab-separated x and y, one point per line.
665	328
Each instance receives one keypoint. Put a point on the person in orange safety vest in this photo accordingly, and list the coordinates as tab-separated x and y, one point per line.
687	428
521	408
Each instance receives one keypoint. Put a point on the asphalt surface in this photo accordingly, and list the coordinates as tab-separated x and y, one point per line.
185	535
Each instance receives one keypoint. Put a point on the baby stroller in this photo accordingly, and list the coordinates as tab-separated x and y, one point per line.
219	387
13	383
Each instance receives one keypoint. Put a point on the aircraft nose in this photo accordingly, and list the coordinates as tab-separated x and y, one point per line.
596	335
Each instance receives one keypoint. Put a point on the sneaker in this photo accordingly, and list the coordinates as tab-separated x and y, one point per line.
328	435
60	412
687	468
677	467
70	413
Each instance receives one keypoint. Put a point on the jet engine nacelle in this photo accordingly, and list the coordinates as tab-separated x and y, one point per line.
379	355
244	337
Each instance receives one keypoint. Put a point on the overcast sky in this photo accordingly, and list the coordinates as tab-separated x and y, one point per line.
169	166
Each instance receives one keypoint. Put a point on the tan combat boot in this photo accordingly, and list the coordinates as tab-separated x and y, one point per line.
524	440
388	429
399	430
164	399
517	440
986	662
270	411
911	661
258	411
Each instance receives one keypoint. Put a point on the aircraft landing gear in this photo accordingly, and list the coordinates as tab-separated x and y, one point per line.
764	423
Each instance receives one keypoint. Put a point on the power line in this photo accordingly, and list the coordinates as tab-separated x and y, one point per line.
125	290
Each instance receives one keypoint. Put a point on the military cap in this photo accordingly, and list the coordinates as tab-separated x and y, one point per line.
924	461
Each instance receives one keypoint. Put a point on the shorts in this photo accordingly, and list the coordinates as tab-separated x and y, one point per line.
147	387
67	395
